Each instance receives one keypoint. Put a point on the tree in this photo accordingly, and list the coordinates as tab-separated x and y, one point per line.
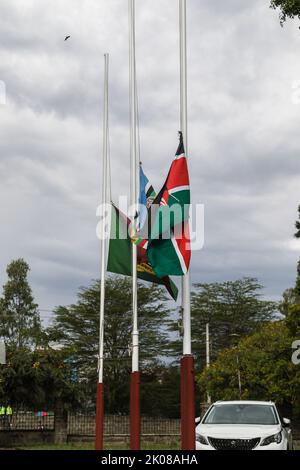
36	376
288	9
38	379
160	391
297	235
18	386
290	307
19	317
41	379
291	296
232	309
267	372
77	328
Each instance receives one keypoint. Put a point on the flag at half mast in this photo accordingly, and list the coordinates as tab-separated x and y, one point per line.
168	247
120	254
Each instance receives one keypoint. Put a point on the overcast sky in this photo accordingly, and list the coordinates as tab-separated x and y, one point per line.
244	139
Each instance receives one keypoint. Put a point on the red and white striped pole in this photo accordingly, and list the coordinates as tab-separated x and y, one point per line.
100	390
187	362
135	419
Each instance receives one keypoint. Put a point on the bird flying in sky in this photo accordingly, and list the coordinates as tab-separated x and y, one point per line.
67	37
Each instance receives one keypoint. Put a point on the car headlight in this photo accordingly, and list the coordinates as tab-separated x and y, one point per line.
201	439
277	438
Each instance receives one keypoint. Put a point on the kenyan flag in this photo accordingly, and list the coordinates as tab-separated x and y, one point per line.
168	248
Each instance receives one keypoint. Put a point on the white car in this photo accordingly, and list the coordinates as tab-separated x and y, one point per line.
243	425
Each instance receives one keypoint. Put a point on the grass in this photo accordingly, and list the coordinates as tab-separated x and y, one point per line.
108	446
173	445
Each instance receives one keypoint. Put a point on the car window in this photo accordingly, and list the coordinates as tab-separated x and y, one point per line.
241	414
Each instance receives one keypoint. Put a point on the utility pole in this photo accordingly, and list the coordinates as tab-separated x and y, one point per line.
239	372
238	364
207	357
2	352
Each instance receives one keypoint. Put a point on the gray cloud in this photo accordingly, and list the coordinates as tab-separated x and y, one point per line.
244	143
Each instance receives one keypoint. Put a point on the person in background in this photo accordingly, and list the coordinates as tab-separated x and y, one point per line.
2	415
9	413
40	423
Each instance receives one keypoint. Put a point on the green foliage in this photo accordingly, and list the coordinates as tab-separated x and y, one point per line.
267	372
77	328
292	296
160	391
297	285
297	235
289	297
54	375
288	9
293	321
17	384
290	306
232	309
37	379
35	375
19	317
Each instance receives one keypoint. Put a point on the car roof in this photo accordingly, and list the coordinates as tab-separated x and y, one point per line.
245	402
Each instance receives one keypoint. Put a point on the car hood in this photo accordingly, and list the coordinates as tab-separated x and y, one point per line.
237	431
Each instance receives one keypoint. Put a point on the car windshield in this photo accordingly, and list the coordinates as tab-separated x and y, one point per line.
241	414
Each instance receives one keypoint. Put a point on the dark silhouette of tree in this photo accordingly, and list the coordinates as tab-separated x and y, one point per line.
288	9
20	324
76	327
232	309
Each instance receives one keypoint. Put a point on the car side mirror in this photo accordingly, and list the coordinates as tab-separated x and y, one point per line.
197	421
286	422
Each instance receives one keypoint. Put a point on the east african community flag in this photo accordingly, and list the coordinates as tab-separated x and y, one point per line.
120	254
168	247
146	198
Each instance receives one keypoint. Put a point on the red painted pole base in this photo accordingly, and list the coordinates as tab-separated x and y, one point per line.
135	418
187	390
99	417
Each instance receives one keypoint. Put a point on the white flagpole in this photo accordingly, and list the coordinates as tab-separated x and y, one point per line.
135	376
100	391
187	363
187	349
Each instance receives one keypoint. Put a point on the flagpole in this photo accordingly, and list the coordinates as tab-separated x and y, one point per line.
187	361
135	420
100	390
